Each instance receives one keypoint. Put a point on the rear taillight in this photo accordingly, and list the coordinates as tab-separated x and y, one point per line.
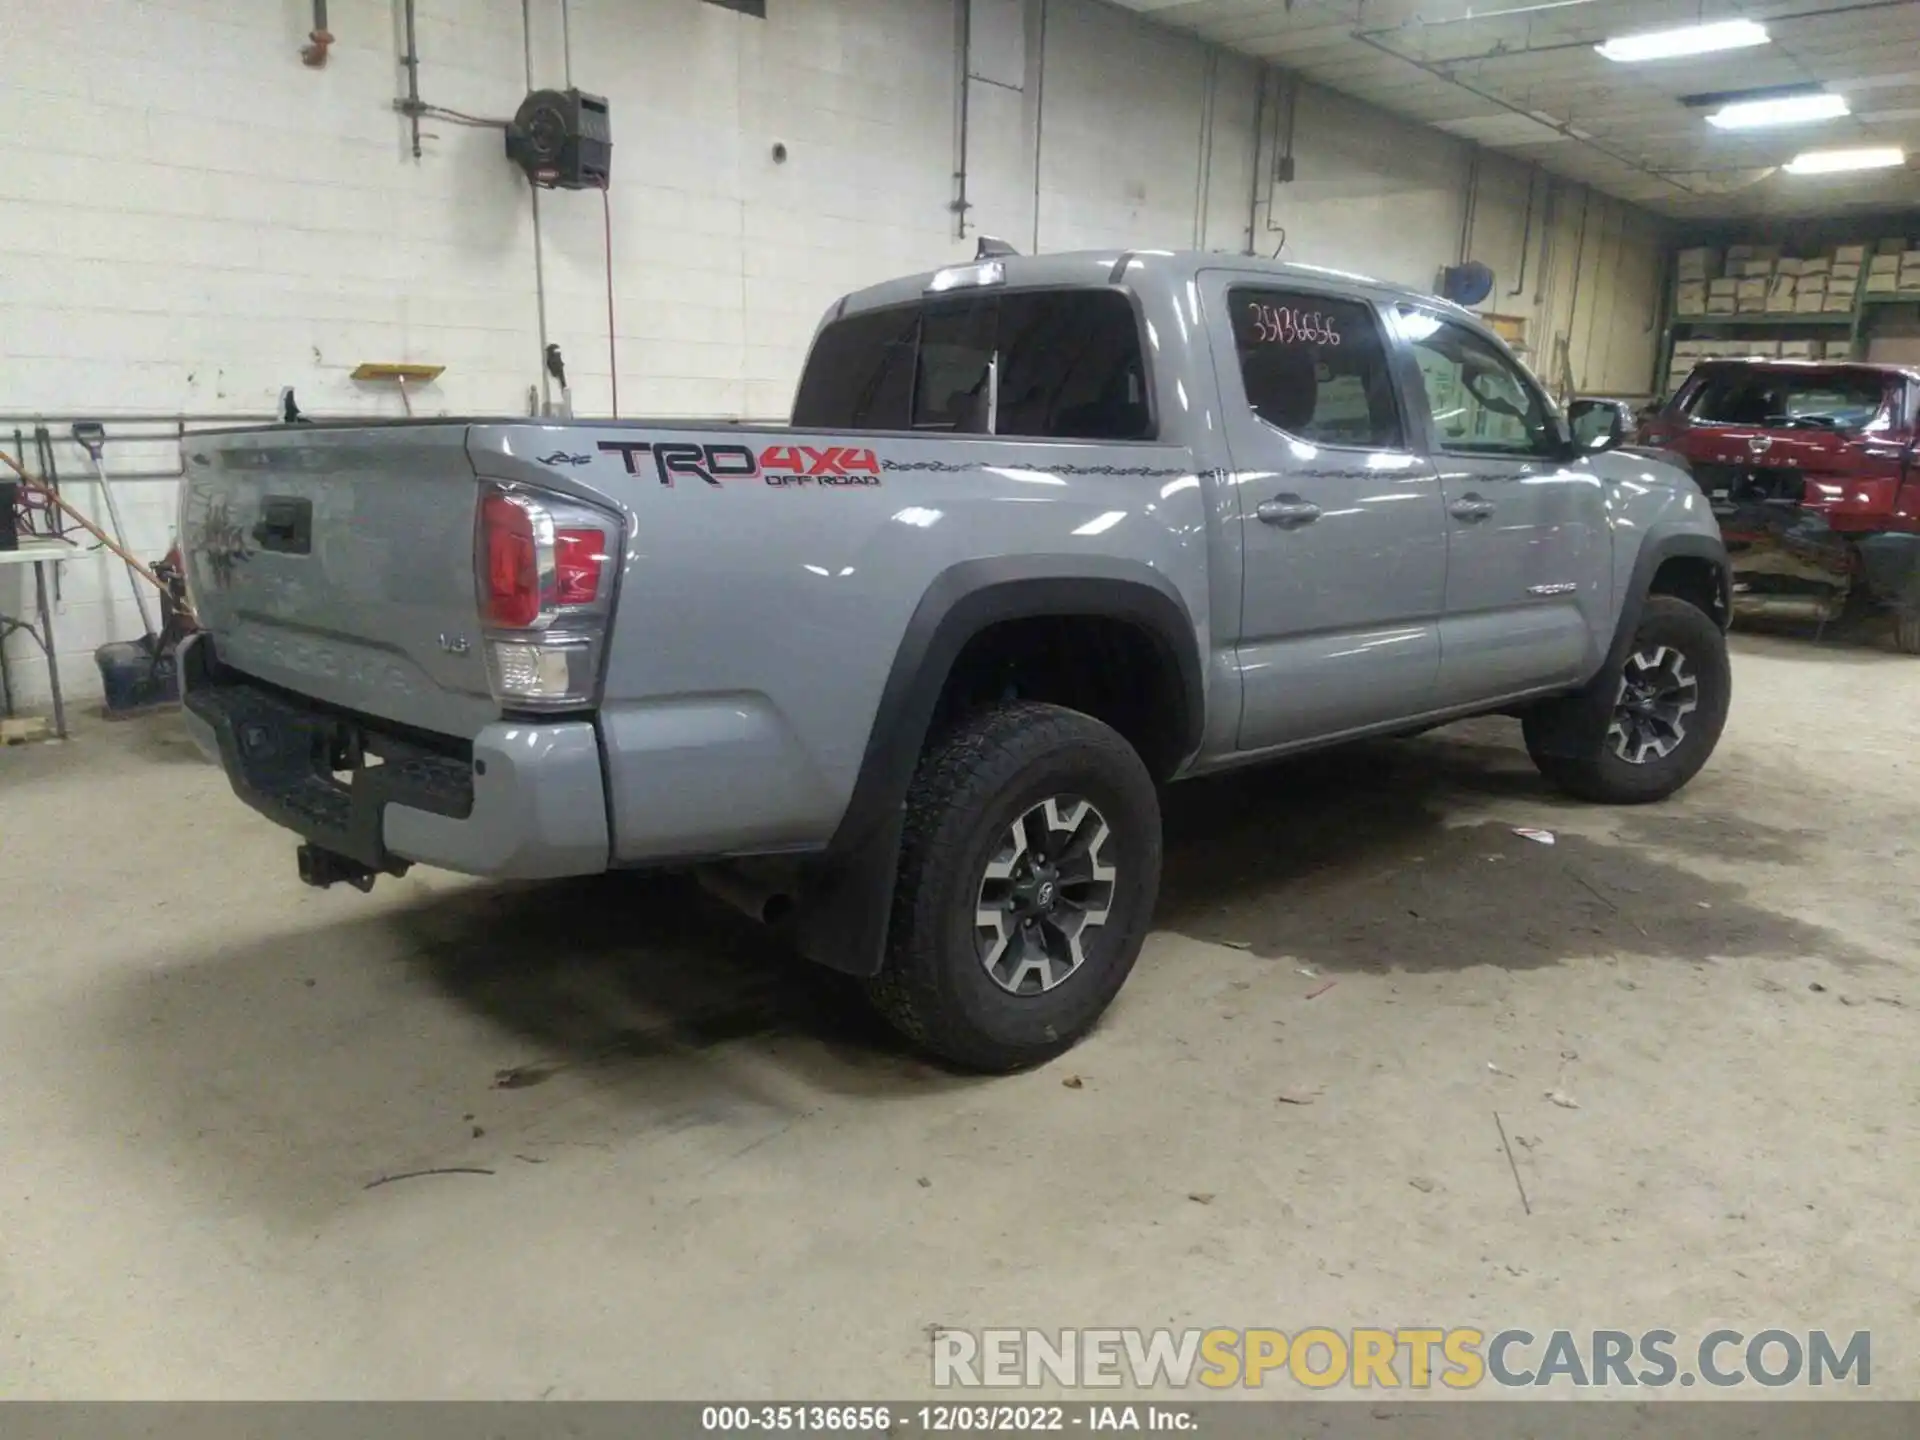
510	592
545	581
580	557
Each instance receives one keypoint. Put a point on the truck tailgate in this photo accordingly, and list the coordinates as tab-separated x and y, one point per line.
338	562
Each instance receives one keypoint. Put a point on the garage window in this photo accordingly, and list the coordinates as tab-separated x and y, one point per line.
1045	364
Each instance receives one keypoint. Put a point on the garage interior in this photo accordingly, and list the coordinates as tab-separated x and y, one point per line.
605	1138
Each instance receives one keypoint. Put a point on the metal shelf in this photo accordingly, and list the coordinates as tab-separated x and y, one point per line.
1767	321
1906	297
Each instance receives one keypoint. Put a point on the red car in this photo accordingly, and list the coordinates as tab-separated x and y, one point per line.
1812	470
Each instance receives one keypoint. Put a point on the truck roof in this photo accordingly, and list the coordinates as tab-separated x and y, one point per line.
1171	268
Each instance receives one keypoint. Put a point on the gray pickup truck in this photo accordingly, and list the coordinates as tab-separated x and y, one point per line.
905	675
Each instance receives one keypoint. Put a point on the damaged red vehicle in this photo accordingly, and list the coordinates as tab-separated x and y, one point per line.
1812	470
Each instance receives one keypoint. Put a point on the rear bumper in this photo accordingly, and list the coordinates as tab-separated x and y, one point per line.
523	801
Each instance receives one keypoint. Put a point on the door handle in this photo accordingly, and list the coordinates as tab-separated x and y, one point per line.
1287	511
1470	507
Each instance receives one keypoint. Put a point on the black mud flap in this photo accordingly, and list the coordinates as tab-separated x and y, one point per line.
846	905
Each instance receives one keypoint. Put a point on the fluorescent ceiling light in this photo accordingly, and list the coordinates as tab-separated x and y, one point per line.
1688	40
1780	110
1829	162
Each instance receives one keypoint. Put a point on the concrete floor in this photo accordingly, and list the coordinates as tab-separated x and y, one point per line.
705	1175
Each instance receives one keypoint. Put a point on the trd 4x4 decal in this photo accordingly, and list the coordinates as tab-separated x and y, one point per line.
778	465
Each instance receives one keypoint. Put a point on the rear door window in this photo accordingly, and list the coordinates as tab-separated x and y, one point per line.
1315	367
1814	399
860	374
1070	367
1046	364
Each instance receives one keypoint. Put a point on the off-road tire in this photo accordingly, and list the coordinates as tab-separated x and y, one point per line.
972	783
1590	768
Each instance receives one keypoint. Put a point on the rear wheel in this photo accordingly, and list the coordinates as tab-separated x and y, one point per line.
1670	703
1028	872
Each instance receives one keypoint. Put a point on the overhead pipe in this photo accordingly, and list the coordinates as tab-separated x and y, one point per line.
1521	52
1471	209
1543	275
1279	166
1203	181
412	61
110	417
1259	139
314	53
1526	233
962	115
1039	120
1473	15
1445	72
1568	379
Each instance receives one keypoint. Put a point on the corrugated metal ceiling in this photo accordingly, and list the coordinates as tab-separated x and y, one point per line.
1523	77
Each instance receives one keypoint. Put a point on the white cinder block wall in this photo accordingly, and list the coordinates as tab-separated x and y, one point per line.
191	219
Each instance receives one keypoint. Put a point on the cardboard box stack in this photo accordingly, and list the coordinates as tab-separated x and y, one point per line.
1844	273
1695	269
1910	271
1883	267
1722	296
1702	262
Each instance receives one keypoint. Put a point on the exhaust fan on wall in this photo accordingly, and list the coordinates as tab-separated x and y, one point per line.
563	139
1466	284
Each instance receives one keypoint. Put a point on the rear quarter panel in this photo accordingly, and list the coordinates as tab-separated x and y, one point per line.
760	611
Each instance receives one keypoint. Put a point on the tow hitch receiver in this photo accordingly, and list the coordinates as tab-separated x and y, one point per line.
322	868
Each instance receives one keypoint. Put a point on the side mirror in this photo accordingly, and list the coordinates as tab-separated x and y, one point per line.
1596	425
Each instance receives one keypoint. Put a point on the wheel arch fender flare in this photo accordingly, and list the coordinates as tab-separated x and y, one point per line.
1572	720
1658	547
845	909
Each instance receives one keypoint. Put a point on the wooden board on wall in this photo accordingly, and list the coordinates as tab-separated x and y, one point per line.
1510	328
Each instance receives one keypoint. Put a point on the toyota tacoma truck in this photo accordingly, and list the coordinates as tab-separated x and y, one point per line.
1813	473
905	676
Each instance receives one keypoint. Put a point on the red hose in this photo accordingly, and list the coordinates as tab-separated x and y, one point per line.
613	361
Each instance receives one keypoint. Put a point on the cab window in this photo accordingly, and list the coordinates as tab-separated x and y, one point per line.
1481	401
1315	367
1045	364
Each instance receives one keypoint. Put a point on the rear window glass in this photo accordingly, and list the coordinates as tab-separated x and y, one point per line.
1069	367
860	374
951	380
1314	367
1839	400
